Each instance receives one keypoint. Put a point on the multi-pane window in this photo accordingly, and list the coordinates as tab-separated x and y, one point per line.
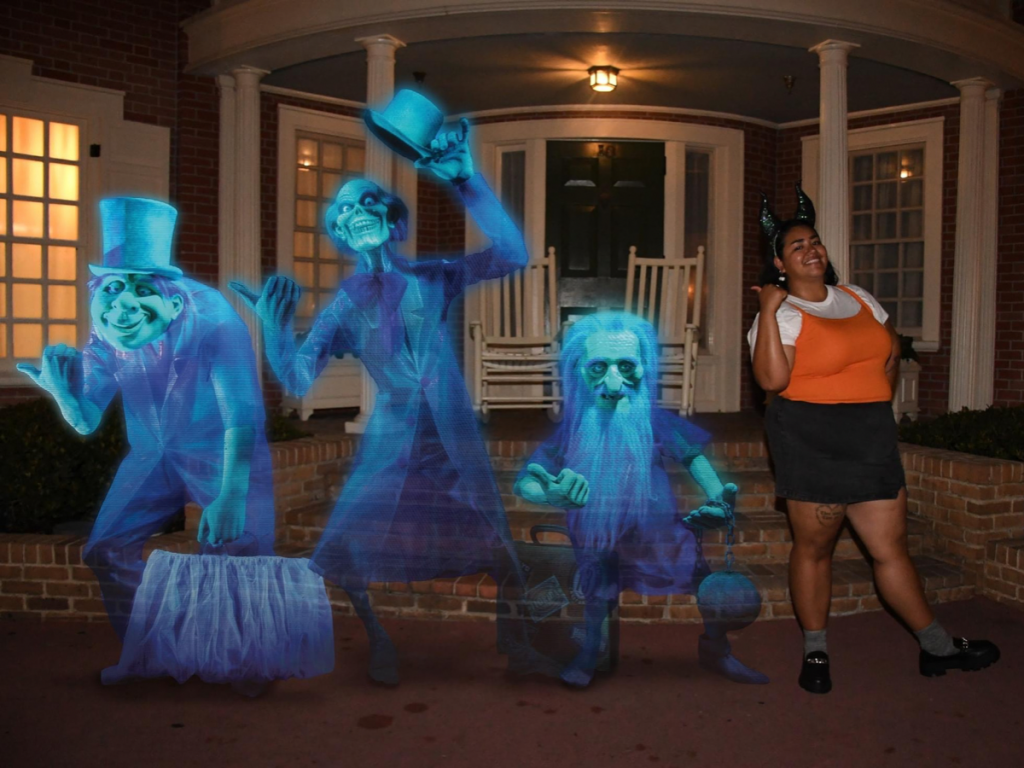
887	234
39	235
324	164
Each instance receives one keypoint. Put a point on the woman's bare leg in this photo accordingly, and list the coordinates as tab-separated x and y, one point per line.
882	526
815	528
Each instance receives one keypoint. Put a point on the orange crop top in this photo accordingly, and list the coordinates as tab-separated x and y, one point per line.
841	361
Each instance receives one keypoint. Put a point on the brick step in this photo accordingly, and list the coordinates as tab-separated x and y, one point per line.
725	456
474	597
760	536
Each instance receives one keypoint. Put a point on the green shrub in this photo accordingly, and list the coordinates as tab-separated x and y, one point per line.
49	474
994	432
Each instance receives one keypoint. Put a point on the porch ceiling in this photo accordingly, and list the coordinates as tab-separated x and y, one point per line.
530	70
702	54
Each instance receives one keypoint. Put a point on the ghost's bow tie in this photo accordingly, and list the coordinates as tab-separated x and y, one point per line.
379	295
381	289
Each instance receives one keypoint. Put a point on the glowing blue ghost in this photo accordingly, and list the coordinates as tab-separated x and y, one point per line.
182	360
421	501
605	467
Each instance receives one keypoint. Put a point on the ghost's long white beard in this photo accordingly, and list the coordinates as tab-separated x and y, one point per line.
613	451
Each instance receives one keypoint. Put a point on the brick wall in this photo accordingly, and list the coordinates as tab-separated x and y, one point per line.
1009	372
967	502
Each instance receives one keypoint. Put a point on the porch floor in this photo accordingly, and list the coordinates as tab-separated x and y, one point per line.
458	707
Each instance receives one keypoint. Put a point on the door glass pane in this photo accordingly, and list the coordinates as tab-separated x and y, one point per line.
61	262
63	141
63	333
64	222
28	219
333	155
28	136
62	302
63	181
27	300
26	260
28	340
28	177
305	182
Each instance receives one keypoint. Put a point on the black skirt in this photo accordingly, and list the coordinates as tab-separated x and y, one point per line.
842	453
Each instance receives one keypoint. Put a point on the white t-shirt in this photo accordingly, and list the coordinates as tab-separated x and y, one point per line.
837	306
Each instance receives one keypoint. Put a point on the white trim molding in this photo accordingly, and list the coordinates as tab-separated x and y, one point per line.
929	132
720	366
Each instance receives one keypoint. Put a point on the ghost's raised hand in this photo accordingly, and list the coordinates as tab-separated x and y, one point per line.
449	155
277	305
56	371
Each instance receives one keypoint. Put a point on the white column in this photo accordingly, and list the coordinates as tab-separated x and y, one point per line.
970	242
984	386
226	190
833	203
243	262
379	165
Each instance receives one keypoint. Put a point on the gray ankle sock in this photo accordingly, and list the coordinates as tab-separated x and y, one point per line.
814	640
934	639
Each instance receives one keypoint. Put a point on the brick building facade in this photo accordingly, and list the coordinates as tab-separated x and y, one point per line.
139	48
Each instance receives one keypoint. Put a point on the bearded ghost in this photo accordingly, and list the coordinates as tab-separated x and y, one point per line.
605	467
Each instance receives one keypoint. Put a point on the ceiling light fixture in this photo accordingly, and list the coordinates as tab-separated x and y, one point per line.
604	79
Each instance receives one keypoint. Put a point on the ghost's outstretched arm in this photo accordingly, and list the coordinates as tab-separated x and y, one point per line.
298	367
507	252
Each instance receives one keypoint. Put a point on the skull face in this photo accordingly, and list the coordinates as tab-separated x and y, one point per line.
611	368
362	222
129	311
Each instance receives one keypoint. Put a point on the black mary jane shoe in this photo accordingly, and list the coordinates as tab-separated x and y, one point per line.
970	656
815	676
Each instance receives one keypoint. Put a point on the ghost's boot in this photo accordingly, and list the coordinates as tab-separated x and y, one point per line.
580	671
715	655
383	656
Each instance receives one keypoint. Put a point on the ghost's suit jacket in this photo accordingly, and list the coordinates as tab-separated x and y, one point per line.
180	394
395	322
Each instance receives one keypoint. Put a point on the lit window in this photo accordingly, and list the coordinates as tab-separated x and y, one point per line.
39	235
324	164
887	232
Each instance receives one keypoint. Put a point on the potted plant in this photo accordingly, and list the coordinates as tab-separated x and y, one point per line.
904	403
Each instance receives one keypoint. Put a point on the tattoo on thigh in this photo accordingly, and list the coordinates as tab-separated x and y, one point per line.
828	514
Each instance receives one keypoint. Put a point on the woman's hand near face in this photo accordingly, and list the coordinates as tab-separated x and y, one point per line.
770	297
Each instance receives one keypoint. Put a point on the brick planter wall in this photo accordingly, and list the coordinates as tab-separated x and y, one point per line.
973	508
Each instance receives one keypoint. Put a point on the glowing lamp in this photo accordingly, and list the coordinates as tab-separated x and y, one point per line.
604	79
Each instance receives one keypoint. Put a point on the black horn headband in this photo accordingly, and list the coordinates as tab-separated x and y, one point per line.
770	223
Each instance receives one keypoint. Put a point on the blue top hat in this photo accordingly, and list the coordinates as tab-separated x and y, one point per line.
137	235
407	125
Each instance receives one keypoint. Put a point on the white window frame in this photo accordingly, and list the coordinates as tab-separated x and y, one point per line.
930	133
